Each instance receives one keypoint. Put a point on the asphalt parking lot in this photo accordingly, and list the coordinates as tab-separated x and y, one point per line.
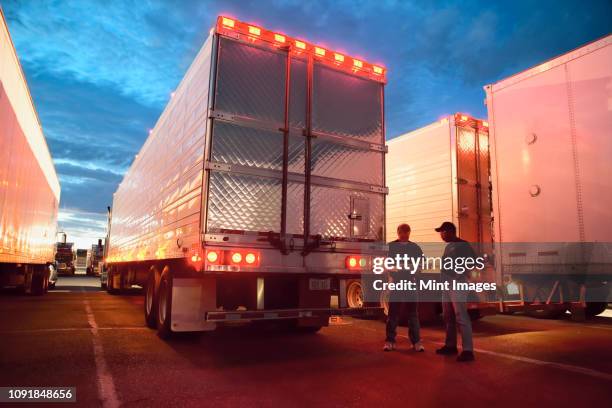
80	336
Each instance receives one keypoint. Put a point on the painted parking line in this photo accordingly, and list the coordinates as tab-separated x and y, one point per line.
69	329
565	367
106	385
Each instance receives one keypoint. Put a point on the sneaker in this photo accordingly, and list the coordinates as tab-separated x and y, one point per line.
418	347
389	346
466	356
447	351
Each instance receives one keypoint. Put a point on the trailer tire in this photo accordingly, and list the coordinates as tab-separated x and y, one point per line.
164	305
110	287
38	283
150	303
354	294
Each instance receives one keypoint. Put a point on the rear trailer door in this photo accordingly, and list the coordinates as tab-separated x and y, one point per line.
473	184
297	147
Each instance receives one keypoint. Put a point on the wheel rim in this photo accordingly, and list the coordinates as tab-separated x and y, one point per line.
149	298
354	295
163	299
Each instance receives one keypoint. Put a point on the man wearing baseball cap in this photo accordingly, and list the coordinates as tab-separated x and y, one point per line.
454	306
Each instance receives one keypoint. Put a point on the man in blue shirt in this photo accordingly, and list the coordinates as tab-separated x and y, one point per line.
402	301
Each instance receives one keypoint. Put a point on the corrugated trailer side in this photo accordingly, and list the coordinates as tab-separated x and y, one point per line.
29	190
551	141
157	207
419	175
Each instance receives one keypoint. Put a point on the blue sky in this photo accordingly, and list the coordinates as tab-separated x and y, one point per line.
101	72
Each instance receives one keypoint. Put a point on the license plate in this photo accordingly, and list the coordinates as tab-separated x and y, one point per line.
319	284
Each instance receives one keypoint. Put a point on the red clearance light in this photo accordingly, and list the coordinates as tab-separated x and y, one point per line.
228	26
228	22
254	30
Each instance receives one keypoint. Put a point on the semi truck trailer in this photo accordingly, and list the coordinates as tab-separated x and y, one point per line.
551	140
29	188
528	187
260	193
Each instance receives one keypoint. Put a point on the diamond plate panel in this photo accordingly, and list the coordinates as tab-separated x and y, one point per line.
346	105
245	203
346	163
251	82
330	209
295	208
263	149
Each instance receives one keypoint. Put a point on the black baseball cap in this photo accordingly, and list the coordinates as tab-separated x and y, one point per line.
446	226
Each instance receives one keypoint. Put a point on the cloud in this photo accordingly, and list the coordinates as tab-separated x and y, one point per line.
82	227
101	71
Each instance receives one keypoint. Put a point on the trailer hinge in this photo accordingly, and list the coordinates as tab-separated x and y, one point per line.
378	189
219	115
379	147
218	166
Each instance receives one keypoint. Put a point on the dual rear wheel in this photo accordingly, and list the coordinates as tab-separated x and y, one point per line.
158	303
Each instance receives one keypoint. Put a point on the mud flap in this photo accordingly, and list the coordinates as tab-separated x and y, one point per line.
191	299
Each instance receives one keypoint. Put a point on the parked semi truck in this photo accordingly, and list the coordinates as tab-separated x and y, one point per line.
529	188
260	192
96	257
82	257
29	189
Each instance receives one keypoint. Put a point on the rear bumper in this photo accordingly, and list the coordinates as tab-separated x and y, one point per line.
250	315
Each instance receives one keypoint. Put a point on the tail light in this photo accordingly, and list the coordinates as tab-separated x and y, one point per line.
356	262
244	257
213	256
234	257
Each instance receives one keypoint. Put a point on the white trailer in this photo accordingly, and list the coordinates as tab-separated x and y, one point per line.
438	173
551	141
260	192
29	188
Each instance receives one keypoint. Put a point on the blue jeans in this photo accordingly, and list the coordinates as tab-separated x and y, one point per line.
396	309
454	309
